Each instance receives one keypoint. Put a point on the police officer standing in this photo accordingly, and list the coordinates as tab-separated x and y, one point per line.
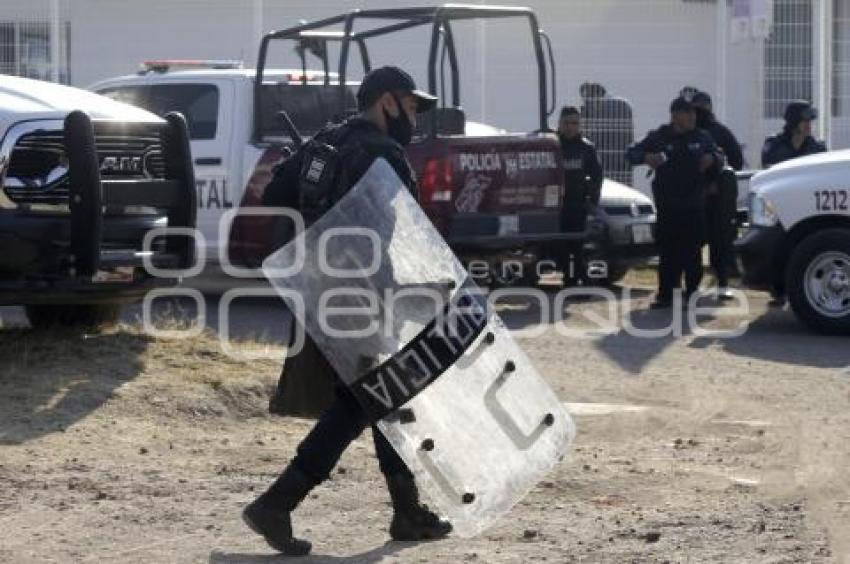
388	103
682	158
721	196
582	187
796	139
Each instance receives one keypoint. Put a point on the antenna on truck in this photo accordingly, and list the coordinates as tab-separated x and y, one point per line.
290	129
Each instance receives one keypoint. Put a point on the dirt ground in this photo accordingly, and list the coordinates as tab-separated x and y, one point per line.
117	447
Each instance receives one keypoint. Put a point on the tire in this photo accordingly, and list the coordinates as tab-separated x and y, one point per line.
817	281
89	316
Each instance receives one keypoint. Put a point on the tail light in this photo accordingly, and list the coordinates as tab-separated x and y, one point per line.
435	186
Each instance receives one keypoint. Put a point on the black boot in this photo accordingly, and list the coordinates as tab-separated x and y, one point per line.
412	521
268	515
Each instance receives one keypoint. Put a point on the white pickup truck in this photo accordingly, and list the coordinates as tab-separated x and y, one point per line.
83	182
235	150
798	242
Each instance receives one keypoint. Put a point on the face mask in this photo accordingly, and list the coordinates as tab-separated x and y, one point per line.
399	128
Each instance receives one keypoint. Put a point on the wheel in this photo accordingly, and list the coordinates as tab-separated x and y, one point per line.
818	281
43	316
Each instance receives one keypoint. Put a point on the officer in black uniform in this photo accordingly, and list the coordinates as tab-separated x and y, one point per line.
582	187
682	158
388	103
722	195
796	139
722	135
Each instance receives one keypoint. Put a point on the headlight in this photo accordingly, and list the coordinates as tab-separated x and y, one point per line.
762	211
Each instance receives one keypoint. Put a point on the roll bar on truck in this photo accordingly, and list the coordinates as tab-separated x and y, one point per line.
313	37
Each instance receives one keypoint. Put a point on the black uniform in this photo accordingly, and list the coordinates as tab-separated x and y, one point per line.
313	180
582	188
582	179
723	137
779	148
679	192
722	199
358	142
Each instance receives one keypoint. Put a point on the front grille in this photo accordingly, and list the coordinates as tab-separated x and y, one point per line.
38	167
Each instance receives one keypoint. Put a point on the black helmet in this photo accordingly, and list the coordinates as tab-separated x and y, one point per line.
798	111
701	99
681	104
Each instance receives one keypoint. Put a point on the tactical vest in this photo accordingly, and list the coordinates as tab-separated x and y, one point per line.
329	162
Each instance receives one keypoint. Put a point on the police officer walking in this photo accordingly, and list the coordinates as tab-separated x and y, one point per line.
388	103
796	139
582	187
721	196
682	158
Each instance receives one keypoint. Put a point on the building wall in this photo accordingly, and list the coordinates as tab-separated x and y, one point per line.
643	50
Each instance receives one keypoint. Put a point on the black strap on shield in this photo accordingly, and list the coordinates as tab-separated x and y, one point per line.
426	357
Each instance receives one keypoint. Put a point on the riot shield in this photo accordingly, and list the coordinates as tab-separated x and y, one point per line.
396	315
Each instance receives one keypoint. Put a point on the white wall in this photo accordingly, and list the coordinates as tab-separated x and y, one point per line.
644	50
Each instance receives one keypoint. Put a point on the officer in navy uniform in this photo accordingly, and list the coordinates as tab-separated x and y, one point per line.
796	139
722	196
582	187
682	157
388	101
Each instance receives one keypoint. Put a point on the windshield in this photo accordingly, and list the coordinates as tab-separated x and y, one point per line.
310	107
197	102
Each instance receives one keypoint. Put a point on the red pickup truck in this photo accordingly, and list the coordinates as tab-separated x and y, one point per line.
495	196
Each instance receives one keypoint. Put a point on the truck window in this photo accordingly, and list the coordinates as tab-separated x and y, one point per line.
309	107
198	102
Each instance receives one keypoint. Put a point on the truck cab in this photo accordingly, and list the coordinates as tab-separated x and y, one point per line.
797	244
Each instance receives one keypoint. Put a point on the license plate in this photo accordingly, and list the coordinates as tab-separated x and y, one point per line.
119	274
642	233
508	224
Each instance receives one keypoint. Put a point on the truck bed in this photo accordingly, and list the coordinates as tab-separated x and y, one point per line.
493	192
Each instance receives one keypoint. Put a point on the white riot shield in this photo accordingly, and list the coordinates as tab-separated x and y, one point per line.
396	315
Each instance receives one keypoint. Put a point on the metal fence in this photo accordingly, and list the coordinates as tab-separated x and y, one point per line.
35	39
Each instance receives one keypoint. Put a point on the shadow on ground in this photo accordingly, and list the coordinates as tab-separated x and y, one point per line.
375	555
777	336
521	308
50	379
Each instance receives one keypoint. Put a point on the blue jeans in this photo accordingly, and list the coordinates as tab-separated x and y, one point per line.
338	425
